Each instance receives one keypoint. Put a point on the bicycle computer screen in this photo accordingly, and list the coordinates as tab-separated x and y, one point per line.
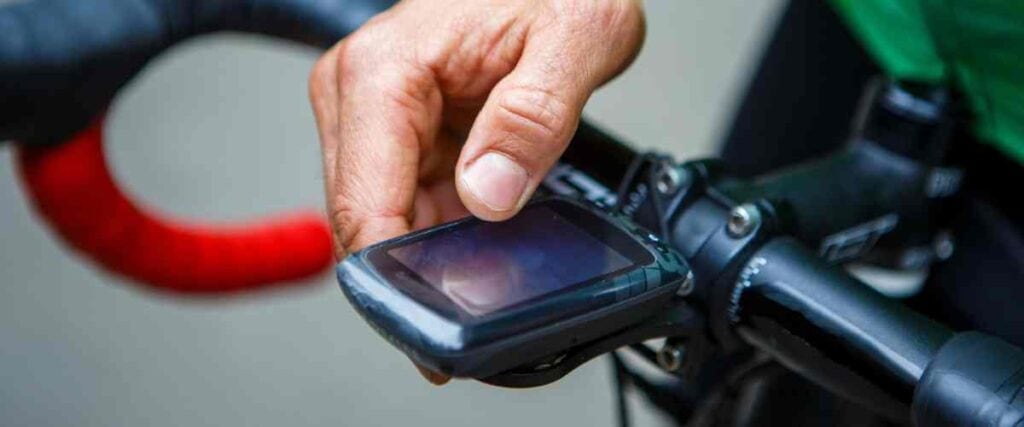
483	266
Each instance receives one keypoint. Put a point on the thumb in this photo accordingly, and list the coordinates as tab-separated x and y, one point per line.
522	129
532	113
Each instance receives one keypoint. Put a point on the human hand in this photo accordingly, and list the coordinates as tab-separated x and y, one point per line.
439	108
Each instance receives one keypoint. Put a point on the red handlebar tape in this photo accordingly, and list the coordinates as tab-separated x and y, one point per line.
74	192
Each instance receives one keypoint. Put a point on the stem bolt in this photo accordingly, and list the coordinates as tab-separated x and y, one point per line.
743	219
669	178
686	288
671	356
944	246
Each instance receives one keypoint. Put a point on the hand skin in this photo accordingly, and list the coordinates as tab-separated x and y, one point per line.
436	109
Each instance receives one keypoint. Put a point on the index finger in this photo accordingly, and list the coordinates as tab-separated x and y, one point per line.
375	115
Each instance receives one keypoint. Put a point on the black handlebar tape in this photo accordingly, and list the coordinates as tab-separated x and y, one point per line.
974	380
62	61
784	288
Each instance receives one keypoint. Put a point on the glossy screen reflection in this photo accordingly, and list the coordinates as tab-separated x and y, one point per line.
490	266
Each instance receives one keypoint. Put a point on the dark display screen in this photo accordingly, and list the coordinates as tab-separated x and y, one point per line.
490	266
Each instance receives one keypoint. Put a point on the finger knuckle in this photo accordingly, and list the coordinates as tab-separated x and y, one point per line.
357	54
351	228
352	55
345	226
604	17
321	74
372	59
533	114
354	229
618	14
532	126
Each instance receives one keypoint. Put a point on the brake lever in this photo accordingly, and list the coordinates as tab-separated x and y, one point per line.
678	320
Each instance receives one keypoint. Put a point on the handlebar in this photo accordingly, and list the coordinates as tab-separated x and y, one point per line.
767	287
63	61
747	245
73	190
806	313
802	311
786	289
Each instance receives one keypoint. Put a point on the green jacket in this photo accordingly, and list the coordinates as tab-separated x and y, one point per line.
977	45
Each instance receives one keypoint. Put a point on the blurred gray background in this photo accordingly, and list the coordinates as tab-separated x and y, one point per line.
219	128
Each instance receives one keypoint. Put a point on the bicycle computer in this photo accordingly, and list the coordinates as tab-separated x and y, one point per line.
474	298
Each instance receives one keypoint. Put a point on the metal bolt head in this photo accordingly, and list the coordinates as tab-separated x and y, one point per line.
670	357
669	178
943	245
686	288
743	219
